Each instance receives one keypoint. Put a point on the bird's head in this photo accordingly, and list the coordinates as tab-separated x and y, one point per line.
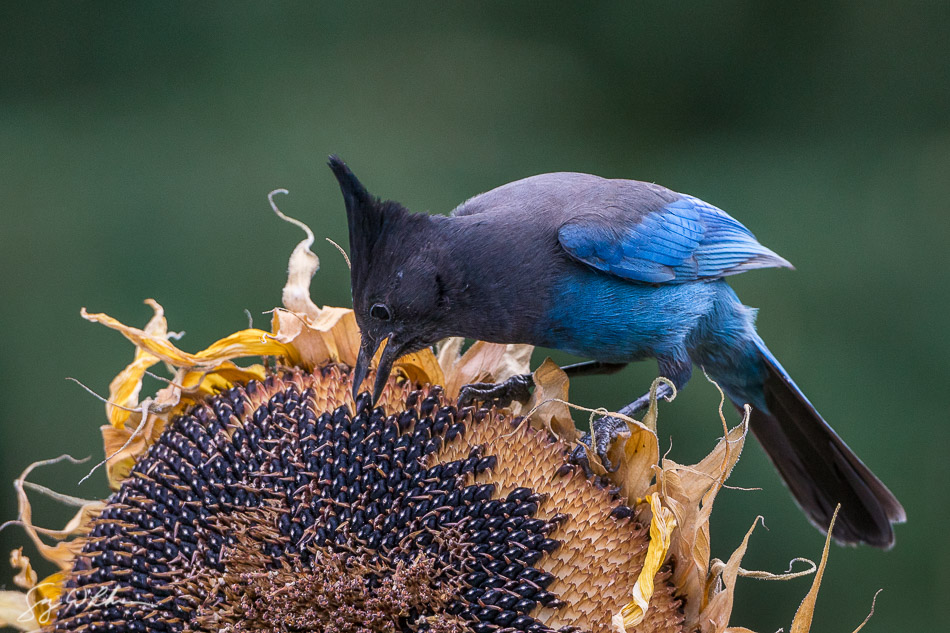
396	273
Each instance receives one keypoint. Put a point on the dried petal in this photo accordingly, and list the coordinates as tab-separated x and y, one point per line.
15	611
250	342
27	577
649	418
200	384
636	456
546	406
124	446
715	617
482	362
301	268
329	336
64	551
806	610
689	491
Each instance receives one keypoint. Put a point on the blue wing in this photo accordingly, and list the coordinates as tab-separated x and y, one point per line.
685	240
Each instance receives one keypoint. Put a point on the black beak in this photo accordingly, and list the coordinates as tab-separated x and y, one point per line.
368	349
390	354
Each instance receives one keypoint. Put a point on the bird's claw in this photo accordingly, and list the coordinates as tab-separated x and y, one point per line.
606	430
579	456
498	394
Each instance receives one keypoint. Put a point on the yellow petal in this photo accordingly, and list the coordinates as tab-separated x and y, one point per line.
44	597
15	611
420	367
200	384
250	342
661	530
124	447
124	388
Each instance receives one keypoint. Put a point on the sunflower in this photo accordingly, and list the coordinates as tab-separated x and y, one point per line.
262	497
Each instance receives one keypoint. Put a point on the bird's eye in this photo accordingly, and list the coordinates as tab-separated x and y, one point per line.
380	311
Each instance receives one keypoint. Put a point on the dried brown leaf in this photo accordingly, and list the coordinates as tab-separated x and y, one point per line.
649	418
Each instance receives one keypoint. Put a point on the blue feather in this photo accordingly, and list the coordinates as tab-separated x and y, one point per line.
686	240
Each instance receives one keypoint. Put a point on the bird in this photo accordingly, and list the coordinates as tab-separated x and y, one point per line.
614	271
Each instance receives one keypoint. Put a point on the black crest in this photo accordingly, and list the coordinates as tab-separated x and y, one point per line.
363	213
367	216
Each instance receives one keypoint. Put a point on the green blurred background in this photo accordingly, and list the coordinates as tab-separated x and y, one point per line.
139	141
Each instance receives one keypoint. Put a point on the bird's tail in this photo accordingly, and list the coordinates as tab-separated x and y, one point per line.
817	466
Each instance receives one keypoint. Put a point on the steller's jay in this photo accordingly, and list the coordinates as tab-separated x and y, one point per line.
611	270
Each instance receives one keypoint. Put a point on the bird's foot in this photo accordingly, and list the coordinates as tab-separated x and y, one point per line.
498	394
605	431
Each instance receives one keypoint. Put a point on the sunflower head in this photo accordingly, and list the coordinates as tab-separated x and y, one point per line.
265	497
